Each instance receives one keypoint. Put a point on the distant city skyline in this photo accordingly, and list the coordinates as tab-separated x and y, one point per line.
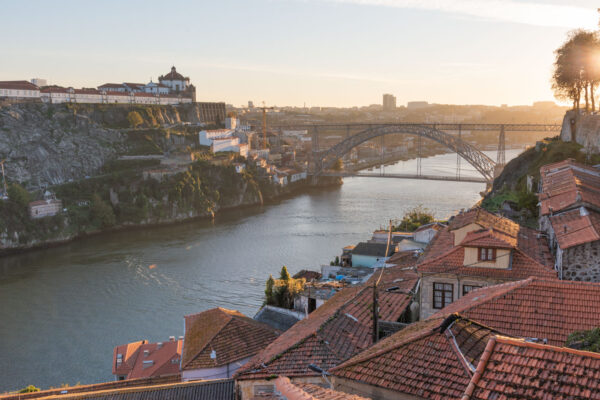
339	53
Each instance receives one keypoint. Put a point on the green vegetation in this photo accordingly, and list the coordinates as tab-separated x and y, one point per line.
135	119
281	292
585	340
414	218
511	185
29	389
338	165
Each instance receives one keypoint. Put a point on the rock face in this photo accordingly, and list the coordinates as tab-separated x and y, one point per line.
584	129
50	144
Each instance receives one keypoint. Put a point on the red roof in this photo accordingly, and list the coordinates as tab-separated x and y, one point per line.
517	369
530	255
334	332
87	91
111	86
431	359
567	184
537	308
576	227
173	76
142	359
54	89
219	337
18	85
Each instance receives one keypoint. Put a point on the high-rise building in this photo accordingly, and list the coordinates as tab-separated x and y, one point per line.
250	104
389	102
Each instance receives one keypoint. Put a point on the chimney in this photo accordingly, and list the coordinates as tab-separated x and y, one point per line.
171	338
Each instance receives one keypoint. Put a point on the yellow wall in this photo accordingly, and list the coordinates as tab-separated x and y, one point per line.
459	234
502	259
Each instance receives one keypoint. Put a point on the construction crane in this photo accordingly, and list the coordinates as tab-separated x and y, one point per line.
264	122
3	179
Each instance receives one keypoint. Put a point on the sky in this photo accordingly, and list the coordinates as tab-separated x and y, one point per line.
298	52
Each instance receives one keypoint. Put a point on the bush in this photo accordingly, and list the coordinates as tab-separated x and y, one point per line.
19	195
415	218
135	119
29	389
102	213
585	340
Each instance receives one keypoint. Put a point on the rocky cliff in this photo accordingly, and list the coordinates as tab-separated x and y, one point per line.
583	129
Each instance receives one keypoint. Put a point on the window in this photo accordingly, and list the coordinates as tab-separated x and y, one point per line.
486	254
443	294
468	288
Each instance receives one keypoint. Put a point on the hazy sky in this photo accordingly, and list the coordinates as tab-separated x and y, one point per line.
291	52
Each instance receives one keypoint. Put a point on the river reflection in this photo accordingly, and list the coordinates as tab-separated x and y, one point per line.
64	309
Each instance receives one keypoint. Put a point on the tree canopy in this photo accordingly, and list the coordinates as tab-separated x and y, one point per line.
415	218
577	68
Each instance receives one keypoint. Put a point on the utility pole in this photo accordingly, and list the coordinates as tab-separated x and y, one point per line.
376	295
264	123
3	178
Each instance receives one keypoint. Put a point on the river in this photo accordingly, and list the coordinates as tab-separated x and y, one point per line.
64	309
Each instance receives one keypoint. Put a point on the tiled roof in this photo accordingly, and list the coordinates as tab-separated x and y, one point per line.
54	89
195	390
308	275
567	184
522	266
277	318
111	86
432	359
334	332
372	249
18	85
576	227
489	238
516	369
172	76
400	277
403	259
535	308
286	390
530	253
219	336
87	91
96	387
143	359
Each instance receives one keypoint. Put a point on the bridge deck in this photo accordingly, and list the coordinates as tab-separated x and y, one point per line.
406	176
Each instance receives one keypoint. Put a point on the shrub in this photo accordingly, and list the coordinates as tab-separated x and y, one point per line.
135	119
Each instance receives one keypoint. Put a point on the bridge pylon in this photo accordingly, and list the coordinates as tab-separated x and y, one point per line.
501	156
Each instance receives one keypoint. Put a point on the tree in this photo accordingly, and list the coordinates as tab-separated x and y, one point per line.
415	218
269	290
285	275
338	165
135	119
585	340
18	194
29	389
102	212
576	68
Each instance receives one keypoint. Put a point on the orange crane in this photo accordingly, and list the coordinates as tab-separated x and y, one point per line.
264	122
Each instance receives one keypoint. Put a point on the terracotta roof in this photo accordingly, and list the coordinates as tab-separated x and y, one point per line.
54	89
111	86
567	184
576	227
404	259
173	76
219	336
530	255
87	91
96	387
404	278
223	389
431	359
143	359
18	85
305	391
521	267
517	369
434	225
536	308
489	238
334	332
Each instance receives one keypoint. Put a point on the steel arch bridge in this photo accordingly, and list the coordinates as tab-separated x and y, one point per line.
324	160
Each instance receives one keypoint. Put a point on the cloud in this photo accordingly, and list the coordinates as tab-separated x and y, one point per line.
537	14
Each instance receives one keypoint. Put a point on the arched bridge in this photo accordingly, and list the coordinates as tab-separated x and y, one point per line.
324	160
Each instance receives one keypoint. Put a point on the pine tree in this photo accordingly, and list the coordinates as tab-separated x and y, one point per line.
285	275
269	290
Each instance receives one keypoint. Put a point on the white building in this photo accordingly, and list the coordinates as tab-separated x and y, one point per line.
156	88
44	208
225	144
206	137
230	123
175	81
55	95
19	90
39	82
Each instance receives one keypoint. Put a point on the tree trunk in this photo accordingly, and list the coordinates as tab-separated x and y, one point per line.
592	96
586	98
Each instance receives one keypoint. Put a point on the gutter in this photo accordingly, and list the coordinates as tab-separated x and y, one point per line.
489	348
